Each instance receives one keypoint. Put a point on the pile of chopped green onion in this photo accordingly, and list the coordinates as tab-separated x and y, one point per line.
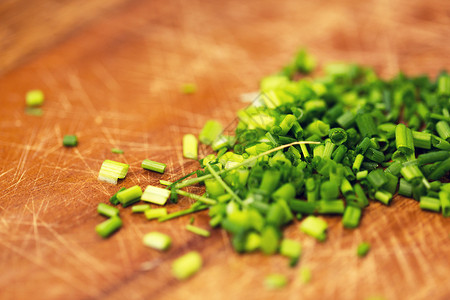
307	147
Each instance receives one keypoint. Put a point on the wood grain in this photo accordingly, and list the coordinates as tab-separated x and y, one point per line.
111	72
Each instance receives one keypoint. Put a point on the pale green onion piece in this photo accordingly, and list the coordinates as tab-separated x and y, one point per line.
187	265
117	151
140	208
129	196
275	281
106	210
305	275
157	240
155	195
190	146
198	230
363	249
34	98
188	88
153	166
110	171
165	182
108	227
315	227
210	132
155	213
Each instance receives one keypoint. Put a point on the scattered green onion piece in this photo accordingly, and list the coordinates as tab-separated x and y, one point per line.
117	151
429	203
157	240
315	227
202	199
140	208
155	213
444	198
443	129
383	196
305	275
155	195
190	146
110	171
292	249
351	217
108	227
34	98
188	88
129	196
363	249
165	182
114	199
275	281
210	132
106	210
198	230
153	166
182	213
362	175
70	141
187	265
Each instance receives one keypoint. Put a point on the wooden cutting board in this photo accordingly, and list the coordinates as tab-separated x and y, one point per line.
111	72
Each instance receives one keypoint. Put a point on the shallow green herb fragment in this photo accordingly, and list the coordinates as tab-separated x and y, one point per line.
187	265
188	88
34	98
157	240
108	227
363	249
117	151
305	275
70	141
275	281
198	230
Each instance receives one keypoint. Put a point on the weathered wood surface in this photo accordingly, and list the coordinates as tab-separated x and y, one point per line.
111	72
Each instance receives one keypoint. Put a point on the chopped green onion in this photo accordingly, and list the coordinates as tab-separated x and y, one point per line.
210	132
363	249
441	170
443	129
275	281
106	210
198	230
338	136
140	208
114	199
383	196
117	151
129	196
110	171
34	98
155	213
70	141
351	217
315	227
305	275
157	240
34	111
182	213
188	88
444	197
155	195
108	227
153	165
187	265
292	249
190	146
429	203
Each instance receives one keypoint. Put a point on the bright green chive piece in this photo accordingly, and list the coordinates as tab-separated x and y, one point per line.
338	136
70	141
34	98
305	275
361	196
377	178
357	163
421	140
187	265
110	171
155	213
117	151
108	227
366	125
165	182
363	249
129	196
201	199
275	281
114	199
441	170
106	210
270	240
404	139
190	146
292	249
383	196
351	217
429	203
188	88
252	242
315	227
432	157
443	129
210	132
444	198
153	166
140	208
198	230
329	190
182	213
157	240
362	175
155	195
